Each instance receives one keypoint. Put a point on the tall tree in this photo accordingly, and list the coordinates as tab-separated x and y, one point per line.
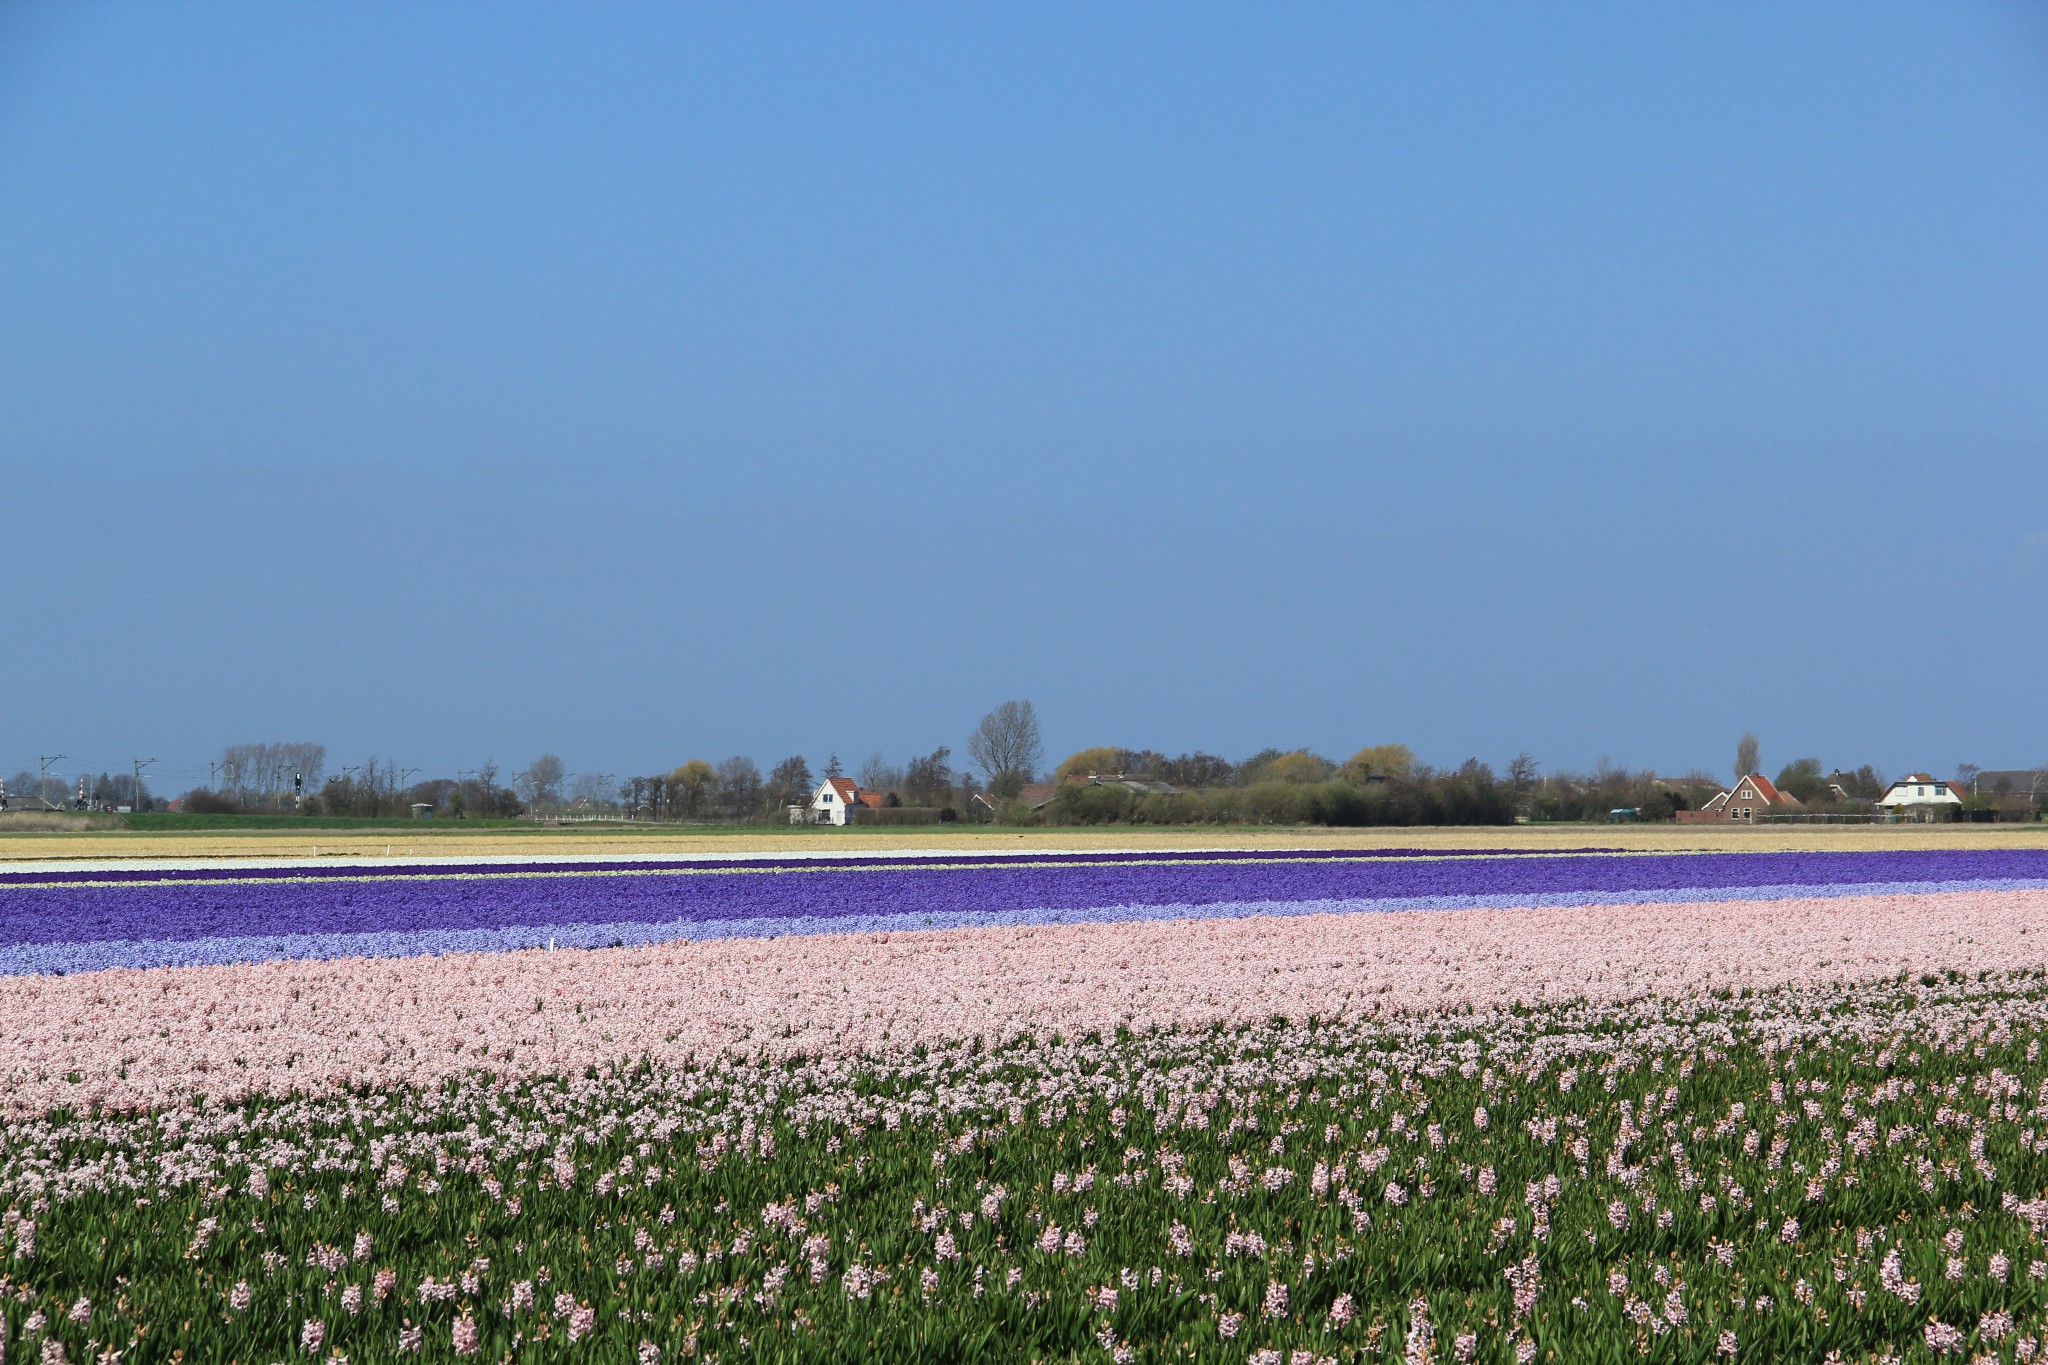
738	787
790	782
691	784
1006	745
1802	780
1746	751
929	781
540	784
1522	775
834	768
876	774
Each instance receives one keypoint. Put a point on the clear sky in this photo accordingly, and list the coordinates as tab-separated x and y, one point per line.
641	382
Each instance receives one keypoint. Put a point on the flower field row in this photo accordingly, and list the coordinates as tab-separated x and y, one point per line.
84	921
1270	1109
1798	1174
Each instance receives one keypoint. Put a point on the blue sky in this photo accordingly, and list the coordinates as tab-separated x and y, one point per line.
646	382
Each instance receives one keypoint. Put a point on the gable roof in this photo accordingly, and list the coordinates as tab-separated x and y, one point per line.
872	800
1765	788
848	789
1923	780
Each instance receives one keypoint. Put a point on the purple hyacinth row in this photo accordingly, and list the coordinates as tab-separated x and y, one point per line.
341	871
219	950
310	913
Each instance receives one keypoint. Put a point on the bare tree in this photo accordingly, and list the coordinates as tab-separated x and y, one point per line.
591	790
790	783
929	781
737	788
1746	759
1006	745
876	775
541	783
1522	774
257	775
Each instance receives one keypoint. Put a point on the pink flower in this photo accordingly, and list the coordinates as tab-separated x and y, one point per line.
1943	1339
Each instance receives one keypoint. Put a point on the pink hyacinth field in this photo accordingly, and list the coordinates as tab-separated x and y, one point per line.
1277	1107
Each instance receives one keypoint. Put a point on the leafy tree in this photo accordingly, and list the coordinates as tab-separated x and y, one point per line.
692	783
1801	779
1392	761
1276	765
1103	758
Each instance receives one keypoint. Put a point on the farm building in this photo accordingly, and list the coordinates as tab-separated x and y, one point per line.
1034	795
1753	796
837	801
1920	797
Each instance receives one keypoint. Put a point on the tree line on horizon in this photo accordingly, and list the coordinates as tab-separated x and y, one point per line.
1379	784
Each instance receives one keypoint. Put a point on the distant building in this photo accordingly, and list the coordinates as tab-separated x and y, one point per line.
2018	793
1034	795
1920	797
1753	796
1142	785
837	801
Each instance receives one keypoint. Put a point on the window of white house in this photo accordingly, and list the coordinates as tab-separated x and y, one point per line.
826	798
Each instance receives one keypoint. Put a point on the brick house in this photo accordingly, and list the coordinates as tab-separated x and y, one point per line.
1753	796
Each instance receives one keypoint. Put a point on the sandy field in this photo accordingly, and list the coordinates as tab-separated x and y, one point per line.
451	840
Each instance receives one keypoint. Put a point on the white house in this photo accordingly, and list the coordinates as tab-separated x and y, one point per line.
1917	794
837	801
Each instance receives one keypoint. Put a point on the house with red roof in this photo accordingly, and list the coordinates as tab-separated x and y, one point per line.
1754	795
1916	796
837	801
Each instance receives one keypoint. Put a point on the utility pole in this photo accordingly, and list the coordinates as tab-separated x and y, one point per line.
43	775
135	797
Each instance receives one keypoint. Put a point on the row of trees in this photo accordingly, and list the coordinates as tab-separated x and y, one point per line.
1296	792
26	791
1381	783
